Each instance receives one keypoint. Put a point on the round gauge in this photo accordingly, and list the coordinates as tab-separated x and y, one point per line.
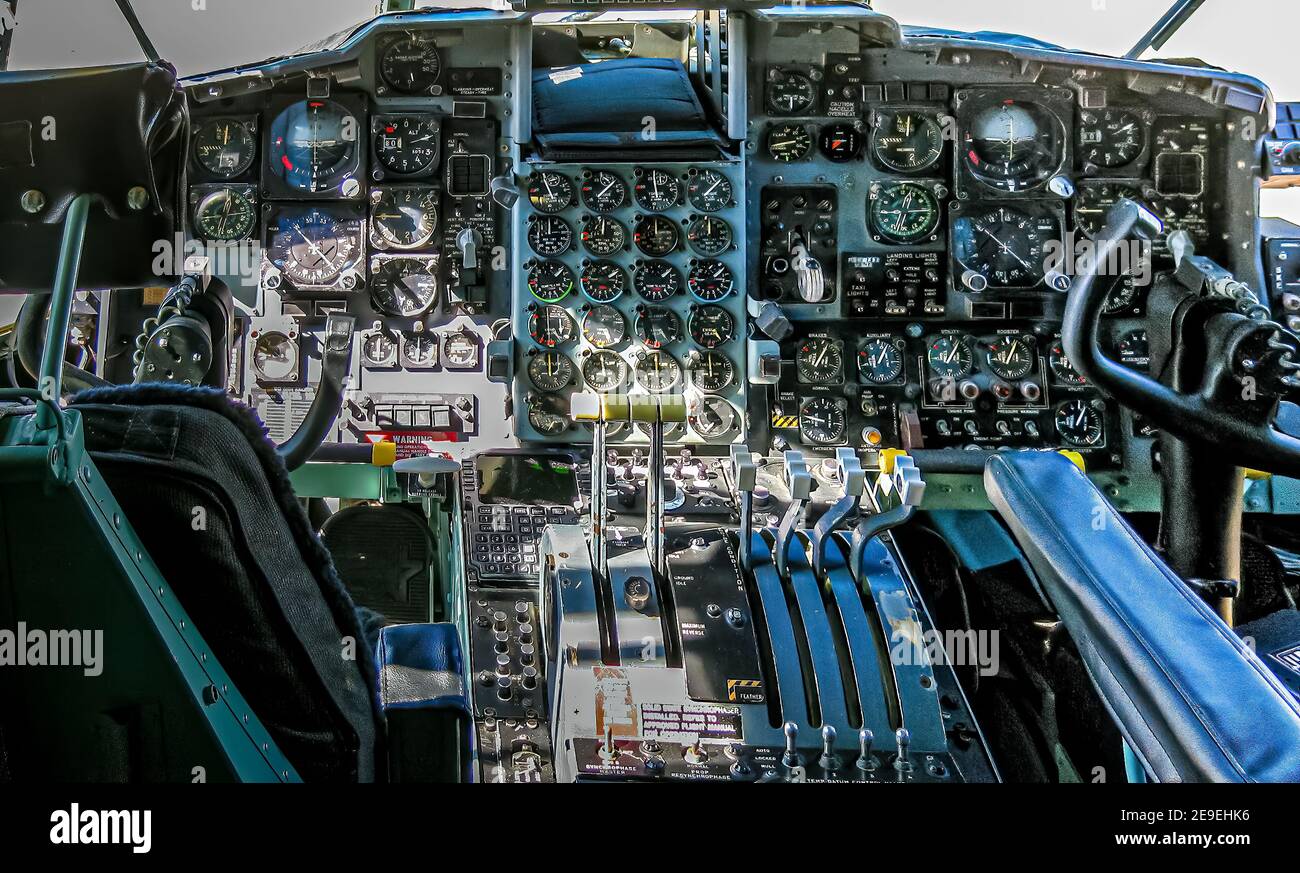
906	142
405	217
656	190
1011	357
655	235
549	236
1078	423
1013	145
550	192
712	417
224	214
657	371
789	93
1110	137
314	145
313	247
712	371
904	212
672	430
403	287
379	348
548	414
656	281
419	349
820	361
275	357
603	236
822	421
1134	350
604	326
1122	295
710	326
602	191
880	362
710	280
407	144
950	357
550	326
460	349
550	281
709	191
840	142
709	236
411	65
605	371
656	326
788	142
602	281
225	147
1004	245
1062	367
550	371
1093	201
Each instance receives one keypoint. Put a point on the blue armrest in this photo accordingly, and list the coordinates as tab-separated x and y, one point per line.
425	702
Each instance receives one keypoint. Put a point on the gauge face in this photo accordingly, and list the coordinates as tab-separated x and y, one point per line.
1122	295
1011	357
1078	423
550	326
904	212
603	281
710	326
1004	245
788	142
460	350
549	236
313	247
1110	137
840	142
950	357
656	190
657	371
550	371
1134	350
789	93
1093	201
419	349
907	142
225	147
403	287
655	235
602	191
822	421
656	281
548	414
820	361
656	326
710	280
403	218
1062	367
550	281
225	214
408	144
604	326
1013	146
605	370
712	371
602	235
411	65
379	349
709	191
550	192
880	362
314	145
712	417
275	356
709	236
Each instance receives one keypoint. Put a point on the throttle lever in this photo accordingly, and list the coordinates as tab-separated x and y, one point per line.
799	481
744	464
899	477
854	479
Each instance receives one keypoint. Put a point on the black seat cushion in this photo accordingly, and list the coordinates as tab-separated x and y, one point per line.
203	487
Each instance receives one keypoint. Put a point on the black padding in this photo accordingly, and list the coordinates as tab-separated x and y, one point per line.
1191	699
203	487
383	554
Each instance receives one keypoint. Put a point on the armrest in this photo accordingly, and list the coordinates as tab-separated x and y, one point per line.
425	702
1192	700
